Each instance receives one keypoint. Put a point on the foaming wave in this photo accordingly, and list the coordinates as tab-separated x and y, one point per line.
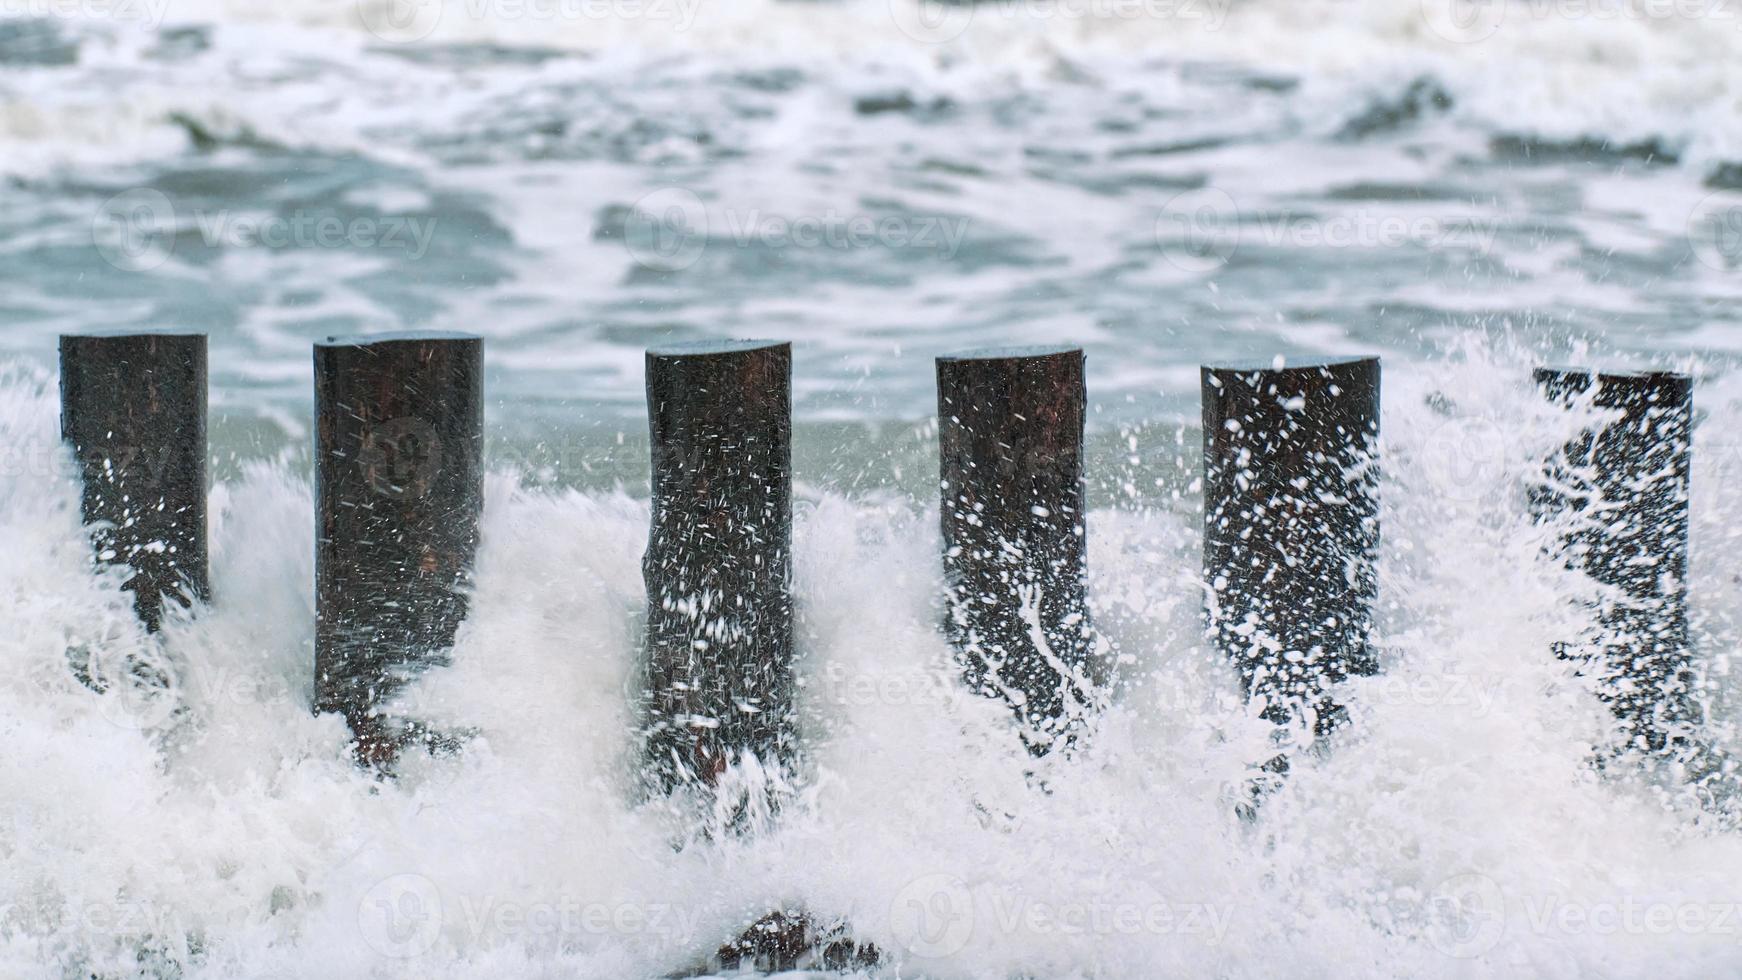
1581	75
194	819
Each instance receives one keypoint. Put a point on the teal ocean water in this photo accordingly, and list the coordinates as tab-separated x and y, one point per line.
1466	188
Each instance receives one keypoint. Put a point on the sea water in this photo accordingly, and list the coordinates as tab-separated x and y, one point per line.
1466	189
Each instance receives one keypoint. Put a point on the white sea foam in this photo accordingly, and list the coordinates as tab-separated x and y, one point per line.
1457	829
1623	71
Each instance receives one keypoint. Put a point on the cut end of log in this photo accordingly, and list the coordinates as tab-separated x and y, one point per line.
710	348
1616	389
397	337
1012	353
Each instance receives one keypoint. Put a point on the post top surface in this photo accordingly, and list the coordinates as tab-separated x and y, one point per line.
702	348
130	334
1550	371
1269	367
1010	353
394	336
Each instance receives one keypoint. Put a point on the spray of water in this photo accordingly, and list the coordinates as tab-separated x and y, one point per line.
173	809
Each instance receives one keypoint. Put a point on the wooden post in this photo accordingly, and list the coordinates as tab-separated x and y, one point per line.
1291	528
133	406
399	492
1010	439
718	566
1627	482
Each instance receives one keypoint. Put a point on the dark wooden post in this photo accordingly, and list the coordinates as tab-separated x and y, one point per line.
1626	480
718	566
133	406
1010	439
399	492
1291	528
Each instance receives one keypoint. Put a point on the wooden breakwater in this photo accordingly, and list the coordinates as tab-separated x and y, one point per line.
133	410
1626	488
399	492
1291	525
1292	519
718	566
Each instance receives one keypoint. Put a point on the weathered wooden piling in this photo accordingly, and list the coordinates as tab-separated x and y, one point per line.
133	407
718	566
1291	528
1010	440
399	493
1625	483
